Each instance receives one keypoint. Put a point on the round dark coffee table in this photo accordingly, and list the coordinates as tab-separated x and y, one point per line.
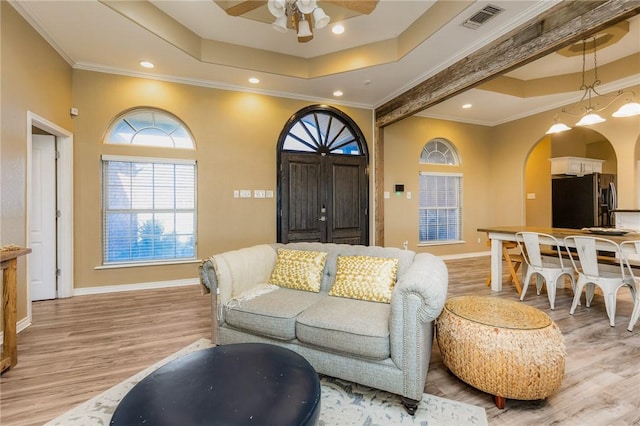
239	384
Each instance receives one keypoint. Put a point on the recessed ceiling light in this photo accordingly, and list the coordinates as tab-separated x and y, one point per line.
337	29
146	64
338	93
254	80
467	106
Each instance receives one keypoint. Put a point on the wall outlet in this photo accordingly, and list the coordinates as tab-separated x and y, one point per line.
245	193
409	195
258	193
531	195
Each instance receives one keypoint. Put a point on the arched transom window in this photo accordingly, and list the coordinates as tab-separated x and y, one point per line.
439	151
323	131
150	127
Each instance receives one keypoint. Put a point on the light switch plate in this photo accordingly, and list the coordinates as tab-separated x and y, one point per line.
258	193
409	195
387	194
245	193
236	193
269	193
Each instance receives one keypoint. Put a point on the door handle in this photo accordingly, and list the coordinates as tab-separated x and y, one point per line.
322	219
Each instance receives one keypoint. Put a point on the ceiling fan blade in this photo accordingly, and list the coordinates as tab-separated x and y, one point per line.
237	8
361	6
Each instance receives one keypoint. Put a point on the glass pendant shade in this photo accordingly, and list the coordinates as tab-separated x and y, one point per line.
320	18
277	8
303	29
591	118
557	128
306	6
628	110
280	24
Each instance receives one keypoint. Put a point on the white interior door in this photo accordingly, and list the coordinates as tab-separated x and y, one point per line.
42	260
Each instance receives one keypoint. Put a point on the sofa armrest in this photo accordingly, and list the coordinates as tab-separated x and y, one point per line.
417	300
428	279
233	272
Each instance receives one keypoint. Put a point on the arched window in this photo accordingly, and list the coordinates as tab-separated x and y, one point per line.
439	151
149	127
323	130
149	203
440	208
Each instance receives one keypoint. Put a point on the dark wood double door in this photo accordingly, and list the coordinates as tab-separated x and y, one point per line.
323	198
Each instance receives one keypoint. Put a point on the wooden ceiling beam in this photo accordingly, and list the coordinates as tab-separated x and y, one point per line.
560	26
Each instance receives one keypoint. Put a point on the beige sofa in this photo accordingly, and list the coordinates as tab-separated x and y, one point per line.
383	345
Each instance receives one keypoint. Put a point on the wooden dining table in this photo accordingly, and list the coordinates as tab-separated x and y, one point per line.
498	234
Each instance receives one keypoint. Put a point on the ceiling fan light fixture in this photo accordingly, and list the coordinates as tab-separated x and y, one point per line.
277	8
628	110
304	30
320	18
306	6
591	118
299	15
280	24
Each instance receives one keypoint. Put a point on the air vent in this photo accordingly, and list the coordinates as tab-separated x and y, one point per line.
482	16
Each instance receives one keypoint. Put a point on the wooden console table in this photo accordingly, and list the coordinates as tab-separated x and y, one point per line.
9	261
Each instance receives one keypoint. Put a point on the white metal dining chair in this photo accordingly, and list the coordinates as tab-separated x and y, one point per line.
628	249
550	268
591	273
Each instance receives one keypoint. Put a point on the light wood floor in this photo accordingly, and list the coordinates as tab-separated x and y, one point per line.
79	347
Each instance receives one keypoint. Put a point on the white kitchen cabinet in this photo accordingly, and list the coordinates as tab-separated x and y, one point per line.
575	166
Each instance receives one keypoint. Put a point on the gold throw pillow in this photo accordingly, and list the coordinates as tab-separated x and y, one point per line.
365	278
299	269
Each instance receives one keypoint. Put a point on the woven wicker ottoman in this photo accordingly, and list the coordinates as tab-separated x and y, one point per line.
505	348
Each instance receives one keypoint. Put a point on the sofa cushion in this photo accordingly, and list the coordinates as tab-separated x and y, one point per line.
348	326
299	269
365	278
271	313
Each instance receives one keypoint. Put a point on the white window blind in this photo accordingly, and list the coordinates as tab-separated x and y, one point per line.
149	209
440	211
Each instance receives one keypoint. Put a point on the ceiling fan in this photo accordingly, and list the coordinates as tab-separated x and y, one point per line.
297	15
241	7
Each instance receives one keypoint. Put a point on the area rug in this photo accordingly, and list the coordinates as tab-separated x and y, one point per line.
343	404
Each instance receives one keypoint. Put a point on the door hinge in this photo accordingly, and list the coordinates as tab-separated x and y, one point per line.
57	155
58	214
58	272
366	171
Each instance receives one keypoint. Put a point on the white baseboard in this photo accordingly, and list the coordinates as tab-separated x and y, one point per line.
82	291
465	255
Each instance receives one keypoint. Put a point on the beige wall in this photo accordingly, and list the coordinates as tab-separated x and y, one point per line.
34	78
236	136
403	142
538	184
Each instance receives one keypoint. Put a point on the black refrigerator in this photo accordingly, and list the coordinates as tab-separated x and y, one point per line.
583	201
